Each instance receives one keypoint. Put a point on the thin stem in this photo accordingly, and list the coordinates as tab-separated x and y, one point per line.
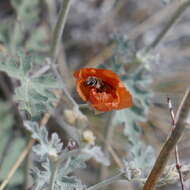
55	164
167	148
178	165
107	181
57	34
116	158
108	135
171	22
63	85
17	164
54	171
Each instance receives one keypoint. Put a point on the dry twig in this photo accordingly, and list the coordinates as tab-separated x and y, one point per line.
17	164
178	165
167	148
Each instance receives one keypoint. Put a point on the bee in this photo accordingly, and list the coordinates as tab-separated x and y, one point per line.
95	82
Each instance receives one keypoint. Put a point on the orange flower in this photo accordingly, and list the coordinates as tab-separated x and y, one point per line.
102	89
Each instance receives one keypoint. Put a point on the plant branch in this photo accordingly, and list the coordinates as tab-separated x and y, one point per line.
58	31
74	105
108	135
167	148
57	34
107	181
184	5
54	170
17	164
178	165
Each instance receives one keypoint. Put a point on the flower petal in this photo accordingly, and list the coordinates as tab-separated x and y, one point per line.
125	98
106	75
103	101
82	90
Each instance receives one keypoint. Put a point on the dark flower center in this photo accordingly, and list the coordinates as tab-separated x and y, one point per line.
97	83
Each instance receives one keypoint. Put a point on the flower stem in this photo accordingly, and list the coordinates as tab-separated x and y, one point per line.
57	34
108	136
58	31
185	4
54	170
107	181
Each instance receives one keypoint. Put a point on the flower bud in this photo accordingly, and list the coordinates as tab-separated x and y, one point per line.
88	137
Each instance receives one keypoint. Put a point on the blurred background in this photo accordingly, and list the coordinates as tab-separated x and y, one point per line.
105	34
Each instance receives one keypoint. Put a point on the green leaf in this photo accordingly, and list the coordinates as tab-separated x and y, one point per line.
34	94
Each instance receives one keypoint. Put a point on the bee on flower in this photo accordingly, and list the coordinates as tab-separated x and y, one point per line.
102	89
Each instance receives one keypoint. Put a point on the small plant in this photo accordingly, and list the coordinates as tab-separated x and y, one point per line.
55	162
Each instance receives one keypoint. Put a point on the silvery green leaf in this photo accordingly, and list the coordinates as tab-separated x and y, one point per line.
69	183
51	147
46	165
36	41
96	153
41	178
25	62
126	117
40	150
55	143
41	174
72	164
143	156
11	69
34	93
38	133
37	97
131	170
31	126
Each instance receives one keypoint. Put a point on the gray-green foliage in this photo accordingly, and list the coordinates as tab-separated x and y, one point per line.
51	154
27	17
134	71
49	150
6	132
33	94
46	146
5	117
96	153
142	156
24	30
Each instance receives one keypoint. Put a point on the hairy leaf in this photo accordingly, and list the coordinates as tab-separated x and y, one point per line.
33	94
